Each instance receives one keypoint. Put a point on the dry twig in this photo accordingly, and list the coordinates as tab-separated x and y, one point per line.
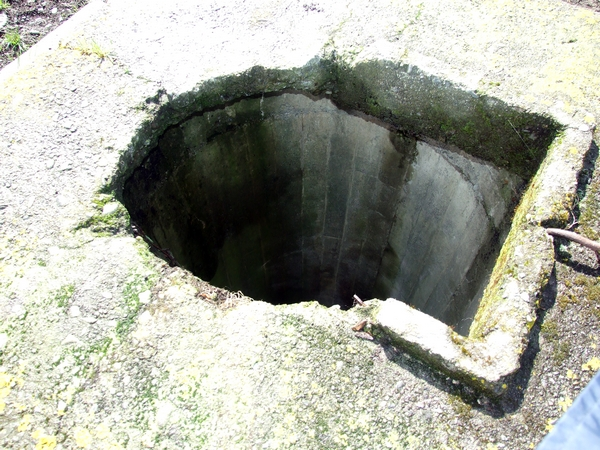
360	325
358	301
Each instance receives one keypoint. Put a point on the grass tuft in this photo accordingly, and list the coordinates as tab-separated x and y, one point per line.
13	41
92	48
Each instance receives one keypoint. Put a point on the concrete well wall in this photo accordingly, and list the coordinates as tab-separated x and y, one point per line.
288	198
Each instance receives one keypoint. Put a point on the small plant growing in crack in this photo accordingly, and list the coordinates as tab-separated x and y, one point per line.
4	5
91	48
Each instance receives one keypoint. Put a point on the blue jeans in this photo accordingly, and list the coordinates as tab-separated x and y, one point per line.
579	427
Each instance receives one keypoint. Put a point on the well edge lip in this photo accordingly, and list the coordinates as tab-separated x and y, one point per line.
486	367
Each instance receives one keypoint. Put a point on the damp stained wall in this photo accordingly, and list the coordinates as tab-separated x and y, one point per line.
288	198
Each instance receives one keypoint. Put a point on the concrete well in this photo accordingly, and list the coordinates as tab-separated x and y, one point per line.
103	344
289	198
326	180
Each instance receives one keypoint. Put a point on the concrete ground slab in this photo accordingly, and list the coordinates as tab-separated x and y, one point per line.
102	344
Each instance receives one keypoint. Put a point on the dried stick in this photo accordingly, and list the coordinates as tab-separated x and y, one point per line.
358	300
577	238
360	325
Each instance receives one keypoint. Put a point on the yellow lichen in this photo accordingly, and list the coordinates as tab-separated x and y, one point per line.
593	364
565	403
588	16
103	432
7	382
83	438
24	423
45	441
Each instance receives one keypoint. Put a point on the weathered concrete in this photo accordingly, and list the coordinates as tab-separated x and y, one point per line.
289	199
101	341
447	233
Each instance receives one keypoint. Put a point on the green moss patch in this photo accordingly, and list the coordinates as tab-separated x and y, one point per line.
109	217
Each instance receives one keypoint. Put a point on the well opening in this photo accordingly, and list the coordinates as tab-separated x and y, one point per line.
288	198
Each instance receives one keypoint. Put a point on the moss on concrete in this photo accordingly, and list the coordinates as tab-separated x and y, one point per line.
399	94
105	222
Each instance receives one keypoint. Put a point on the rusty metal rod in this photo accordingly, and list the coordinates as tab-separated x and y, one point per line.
577	238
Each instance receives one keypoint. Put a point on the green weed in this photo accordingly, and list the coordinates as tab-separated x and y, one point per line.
581	280
560	348
92	48
106	188
14	42
560	351
589	212
63	295
564	301
131	303
4	5
462	409
593	292
590	296
550	330
88	357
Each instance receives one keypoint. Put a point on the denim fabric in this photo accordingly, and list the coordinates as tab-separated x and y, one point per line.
579	427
